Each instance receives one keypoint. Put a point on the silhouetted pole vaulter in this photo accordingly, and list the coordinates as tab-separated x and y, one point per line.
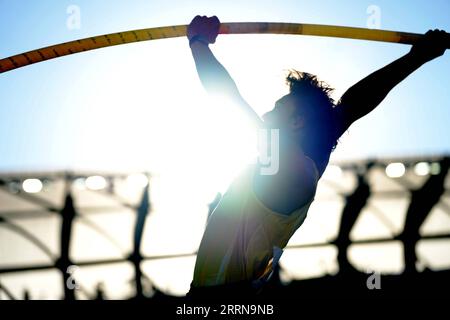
422	201
354	204
253	222
136	257
113	39
68	214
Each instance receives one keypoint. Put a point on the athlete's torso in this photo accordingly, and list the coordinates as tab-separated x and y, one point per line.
239	241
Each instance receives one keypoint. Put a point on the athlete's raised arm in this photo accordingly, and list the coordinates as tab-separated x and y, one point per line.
368	93
201	32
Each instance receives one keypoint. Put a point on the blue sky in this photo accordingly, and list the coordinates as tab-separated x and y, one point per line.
75	112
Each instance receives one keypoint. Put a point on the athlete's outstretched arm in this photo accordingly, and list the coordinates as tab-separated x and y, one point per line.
201	32
368	93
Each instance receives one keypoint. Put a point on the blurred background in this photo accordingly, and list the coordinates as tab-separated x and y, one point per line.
111	160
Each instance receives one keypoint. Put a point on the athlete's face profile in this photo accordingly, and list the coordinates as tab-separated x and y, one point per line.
285	114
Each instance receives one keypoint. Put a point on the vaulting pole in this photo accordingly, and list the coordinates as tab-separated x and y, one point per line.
86	44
